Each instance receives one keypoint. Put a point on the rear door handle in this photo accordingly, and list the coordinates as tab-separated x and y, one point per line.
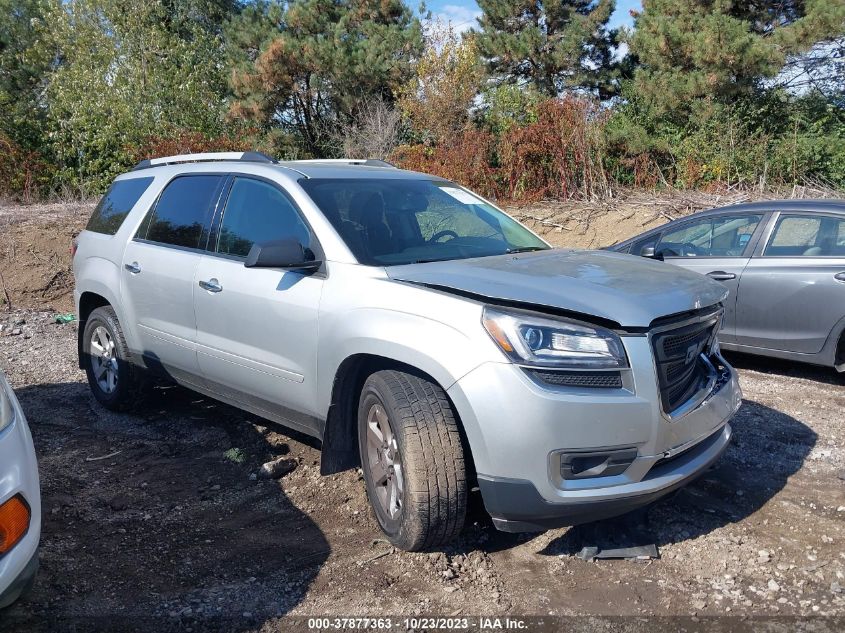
721	275
212	285
839	277
133	268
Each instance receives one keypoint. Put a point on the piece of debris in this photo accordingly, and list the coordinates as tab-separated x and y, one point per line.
361	563
277	468
235	455
101	457
69	317
624	537
637	552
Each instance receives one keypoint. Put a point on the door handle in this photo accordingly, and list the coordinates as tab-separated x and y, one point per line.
212	285
839	277
720	275
133	268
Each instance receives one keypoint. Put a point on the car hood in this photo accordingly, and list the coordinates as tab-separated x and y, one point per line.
631	291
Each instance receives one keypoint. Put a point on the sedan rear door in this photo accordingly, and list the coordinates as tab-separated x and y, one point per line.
792	292
718	246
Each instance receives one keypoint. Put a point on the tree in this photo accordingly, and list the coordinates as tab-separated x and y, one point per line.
126	71
447	78
313	64
22	72
554	44
718	50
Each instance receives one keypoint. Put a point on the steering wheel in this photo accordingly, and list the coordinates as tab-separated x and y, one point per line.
690	250
439	234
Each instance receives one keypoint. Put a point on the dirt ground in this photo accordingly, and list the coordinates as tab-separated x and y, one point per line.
152	521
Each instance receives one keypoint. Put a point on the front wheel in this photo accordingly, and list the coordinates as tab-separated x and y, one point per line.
114	381
412	459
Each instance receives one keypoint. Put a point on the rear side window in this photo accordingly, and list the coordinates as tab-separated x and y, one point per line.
116	205
807	236
181	215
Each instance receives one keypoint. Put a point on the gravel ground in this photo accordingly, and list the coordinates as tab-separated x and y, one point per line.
176	526
157	521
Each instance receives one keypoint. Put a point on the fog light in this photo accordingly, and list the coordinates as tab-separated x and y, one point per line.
14	522
596	464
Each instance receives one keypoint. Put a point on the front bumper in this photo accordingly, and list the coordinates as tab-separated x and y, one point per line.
518	432
19	475
516	506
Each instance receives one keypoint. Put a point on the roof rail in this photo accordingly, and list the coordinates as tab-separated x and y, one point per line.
367	162
252	157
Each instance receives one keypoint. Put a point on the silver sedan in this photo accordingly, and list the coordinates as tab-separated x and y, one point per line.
784	264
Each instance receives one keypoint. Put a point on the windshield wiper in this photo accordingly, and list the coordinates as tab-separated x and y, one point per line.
526	249
428	261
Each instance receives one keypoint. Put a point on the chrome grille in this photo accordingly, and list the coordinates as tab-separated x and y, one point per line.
681	372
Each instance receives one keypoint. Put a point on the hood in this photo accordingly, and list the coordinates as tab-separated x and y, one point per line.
628	290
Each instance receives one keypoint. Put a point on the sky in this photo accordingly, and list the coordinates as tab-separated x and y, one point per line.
462	13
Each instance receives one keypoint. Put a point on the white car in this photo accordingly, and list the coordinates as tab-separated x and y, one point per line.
20	500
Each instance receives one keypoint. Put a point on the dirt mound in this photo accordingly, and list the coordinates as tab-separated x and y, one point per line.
35	259
597	224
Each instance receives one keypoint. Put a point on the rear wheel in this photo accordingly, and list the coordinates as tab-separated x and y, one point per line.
412	460
114	381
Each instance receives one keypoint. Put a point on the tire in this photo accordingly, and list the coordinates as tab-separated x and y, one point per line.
119	385
416	482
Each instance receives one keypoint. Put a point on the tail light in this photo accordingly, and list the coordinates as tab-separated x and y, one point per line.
74	246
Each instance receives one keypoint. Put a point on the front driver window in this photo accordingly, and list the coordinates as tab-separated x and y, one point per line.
257	211
725	236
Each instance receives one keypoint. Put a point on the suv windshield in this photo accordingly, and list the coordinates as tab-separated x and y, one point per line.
394	221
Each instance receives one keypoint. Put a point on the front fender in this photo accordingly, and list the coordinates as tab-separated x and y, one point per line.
440	350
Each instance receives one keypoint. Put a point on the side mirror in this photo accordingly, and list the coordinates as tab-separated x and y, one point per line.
288	253
648	251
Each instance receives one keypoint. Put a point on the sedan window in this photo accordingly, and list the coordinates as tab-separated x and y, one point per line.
723	236
807	236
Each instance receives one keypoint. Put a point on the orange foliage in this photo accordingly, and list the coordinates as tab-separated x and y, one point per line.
561	155
23	174
188	142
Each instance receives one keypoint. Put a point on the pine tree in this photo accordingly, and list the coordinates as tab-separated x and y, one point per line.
719	50
555	44
308	64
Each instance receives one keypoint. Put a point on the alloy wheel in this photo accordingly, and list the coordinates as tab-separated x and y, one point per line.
383	461
104	359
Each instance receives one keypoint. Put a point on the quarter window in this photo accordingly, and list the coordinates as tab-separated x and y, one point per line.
258	212
116	205
725	236
807	236
180	217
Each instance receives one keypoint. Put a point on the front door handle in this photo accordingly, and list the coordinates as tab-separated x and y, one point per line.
133	268
721	275
839	277
212	285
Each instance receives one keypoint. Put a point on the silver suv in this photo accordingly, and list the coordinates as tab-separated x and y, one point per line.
414	328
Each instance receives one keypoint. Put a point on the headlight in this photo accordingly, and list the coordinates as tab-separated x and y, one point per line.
530	339
6	411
